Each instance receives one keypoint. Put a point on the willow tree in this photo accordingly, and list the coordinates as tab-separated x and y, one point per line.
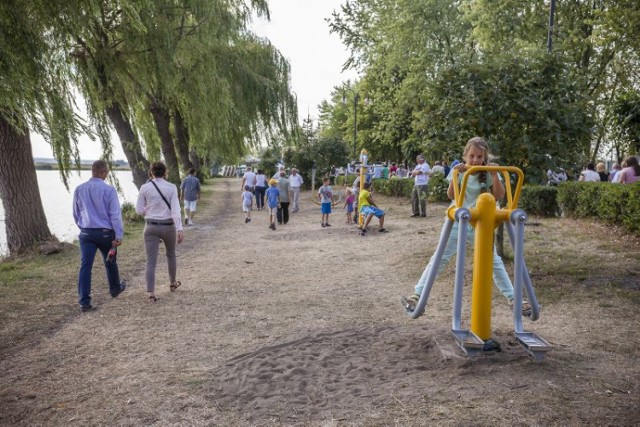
34	95
217	83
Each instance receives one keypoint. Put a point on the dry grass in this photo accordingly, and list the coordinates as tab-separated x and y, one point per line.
302	326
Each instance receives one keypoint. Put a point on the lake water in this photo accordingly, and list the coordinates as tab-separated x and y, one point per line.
57	201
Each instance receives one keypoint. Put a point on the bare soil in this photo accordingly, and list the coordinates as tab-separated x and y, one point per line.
303	326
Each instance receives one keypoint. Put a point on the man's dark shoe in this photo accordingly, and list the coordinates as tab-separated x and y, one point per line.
85	308
415	215
423	216
123	286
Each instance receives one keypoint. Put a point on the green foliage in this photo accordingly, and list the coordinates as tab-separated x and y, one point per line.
441	71
626	119
539	200
129	214
612	203
530	111
324	153
438	186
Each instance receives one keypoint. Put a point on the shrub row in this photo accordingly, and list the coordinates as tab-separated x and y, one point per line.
611	203
402	187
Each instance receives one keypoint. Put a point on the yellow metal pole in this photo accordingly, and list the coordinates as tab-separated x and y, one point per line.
364	157
483	267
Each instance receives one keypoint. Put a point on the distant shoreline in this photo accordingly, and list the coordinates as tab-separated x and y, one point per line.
51	164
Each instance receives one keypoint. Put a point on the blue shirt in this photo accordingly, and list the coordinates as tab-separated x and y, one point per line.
190	188
96	205
273	197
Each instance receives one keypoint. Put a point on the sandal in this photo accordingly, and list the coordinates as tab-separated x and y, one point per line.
175	285
382	230
410	303
526	307
152	298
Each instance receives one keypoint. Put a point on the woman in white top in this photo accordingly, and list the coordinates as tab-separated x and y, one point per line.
158	202
261	188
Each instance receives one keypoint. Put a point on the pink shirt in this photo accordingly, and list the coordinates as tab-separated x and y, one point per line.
628	176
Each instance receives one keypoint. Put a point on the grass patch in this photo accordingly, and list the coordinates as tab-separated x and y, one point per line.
39	292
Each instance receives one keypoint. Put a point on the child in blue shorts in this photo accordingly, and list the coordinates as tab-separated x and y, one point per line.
325	194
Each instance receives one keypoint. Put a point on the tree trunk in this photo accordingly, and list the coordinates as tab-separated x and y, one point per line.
195	160
182	141
130	145
162	120
25	221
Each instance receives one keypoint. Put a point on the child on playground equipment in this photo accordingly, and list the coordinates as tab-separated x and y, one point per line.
348	205
476	153
247	202
369	209
273	201
325	194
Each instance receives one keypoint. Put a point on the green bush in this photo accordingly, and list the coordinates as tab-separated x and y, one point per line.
539	200
612	203
437	190
568	198
129	214
394	186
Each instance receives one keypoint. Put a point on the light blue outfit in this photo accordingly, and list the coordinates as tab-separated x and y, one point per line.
500	277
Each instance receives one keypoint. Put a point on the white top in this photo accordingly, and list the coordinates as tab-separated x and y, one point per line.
247	198
249	179
152	206
261	180
295	180
437	169
590	175
423	178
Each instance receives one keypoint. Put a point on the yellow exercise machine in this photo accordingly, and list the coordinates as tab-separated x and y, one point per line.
485	217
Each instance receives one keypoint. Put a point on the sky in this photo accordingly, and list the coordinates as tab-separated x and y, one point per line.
299	31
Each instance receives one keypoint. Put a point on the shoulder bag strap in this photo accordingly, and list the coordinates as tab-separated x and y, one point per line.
162	195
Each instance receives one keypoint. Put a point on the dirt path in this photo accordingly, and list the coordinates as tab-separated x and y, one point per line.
303	325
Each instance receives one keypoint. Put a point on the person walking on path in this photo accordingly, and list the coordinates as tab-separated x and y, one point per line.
295	182
284	189
249	178
96	212
158	202
261	187
325	194
420	185
247	203
190	194
273	202
476	153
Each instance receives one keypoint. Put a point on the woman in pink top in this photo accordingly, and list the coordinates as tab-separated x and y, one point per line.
631	173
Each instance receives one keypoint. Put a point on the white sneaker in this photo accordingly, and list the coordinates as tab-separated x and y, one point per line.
190	222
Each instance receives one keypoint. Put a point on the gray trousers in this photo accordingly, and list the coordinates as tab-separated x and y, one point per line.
152	236
419	199
295	197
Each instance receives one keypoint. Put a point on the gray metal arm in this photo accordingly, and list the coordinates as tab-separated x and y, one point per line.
515	229
463	216
433	271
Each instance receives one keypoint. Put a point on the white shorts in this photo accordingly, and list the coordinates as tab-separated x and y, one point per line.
246	208
190	206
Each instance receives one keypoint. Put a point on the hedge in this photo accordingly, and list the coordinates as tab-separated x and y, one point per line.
611	203
539	200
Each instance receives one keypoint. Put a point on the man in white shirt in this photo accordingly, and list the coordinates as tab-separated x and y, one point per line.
590	174
420	175
249	179
295	182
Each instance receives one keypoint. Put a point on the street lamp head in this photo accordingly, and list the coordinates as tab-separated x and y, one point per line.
344	99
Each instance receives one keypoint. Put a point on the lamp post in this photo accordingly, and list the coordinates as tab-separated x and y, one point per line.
356	97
